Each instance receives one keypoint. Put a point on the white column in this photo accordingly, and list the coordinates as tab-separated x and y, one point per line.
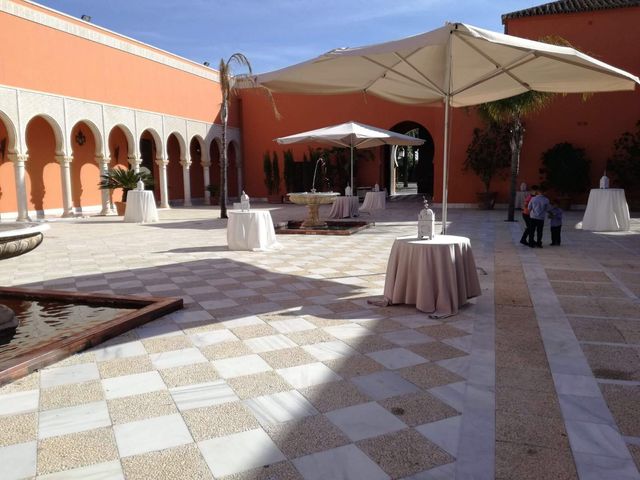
107	206
164	188
135	163
21	188
65	177
186	165
239	170
207	180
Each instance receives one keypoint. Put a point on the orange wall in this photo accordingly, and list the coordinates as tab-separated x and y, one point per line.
7	187
43	180
85	172
50	60
608	35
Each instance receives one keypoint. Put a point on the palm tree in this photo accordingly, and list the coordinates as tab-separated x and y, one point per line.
510	112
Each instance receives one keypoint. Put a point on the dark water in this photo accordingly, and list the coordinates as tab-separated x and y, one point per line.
42	321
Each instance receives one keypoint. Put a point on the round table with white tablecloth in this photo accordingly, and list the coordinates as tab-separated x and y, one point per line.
607	211
374	201
344	207
141	207
251	230
437	276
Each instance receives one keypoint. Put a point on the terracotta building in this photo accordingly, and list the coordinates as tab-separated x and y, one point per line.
63	122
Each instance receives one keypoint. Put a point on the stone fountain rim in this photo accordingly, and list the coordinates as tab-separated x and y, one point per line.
24	229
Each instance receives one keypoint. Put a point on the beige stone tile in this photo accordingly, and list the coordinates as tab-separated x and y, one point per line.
587	289
180	463
225	350
369	343
616	363
18	428
276	471
306	435
30	382
353	365
189	374
382	326
325	322
125	366
76	450
204	327
418	408
429	375
624	403
635	454
404	453
265	383
577	275
526	378
440	332
526	462
531	430
76	359
253	331
435	351
309	337
166	344
70	395
334	395
219	420
287	357
140	407
527	402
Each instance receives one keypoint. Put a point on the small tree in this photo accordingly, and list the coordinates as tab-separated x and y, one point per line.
289	171
275	170
566	169
268	172
488	154
625	162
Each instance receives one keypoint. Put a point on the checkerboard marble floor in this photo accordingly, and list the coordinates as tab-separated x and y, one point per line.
277	367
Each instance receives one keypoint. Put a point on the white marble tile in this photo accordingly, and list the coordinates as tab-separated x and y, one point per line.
350	330
576	385
177	358
596	439
203	395
415	321
395	358
53	377
308	375
292	325
100	471
238	366
585	409
151	434
135	384
18	461
122	350
451	394
385	384
324	351
211	338
365	421
269	343
73	419
407	337
243	322
461	343
596	467
457	365
158	329
443	472
19	402
444	433
239	452
342	463
217	304
280	407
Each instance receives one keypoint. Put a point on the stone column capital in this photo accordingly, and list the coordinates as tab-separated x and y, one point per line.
186	164
20	158
162	162
64	159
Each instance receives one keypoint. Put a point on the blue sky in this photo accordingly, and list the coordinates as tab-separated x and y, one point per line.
277	33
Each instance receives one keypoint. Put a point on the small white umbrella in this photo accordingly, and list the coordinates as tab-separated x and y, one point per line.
457	64
352	135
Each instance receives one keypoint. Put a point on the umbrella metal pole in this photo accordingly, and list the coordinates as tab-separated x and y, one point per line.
353	188
445	166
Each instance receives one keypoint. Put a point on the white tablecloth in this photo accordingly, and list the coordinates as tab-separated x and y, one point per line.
252	230
607	211
437	276
520	196
374	201
141	207
344	207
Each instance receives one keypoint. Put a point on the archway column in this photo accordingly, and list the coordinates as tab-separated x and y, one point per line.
239	170
206	180
65	177
19	170
164	188
186	164
135	163
107	206
392	170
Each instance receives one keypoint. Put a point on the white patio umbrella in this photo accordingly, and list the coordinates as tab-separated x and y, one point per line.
352	135
457	64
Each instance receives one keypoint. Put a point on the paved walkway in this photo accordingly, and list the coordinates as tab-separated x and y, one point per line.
278	368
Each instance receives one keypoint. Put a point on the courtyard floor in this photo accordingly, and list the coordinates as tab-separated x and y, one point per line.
279	368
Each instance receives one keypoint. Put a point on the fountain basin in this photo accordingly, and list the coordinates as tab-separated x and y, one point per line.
17	238
313	200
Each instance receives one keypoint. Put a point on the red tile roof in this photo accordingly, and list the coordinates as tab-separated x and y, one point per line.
570	6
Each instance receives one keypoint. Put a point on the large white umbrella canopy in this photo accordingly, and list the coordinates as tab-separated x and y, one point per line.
351	135
457	64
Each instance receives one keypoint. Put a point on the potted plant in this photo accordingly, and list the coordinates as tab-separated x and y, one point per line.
488	156
213	193
271	170
566	171
625	166
126	179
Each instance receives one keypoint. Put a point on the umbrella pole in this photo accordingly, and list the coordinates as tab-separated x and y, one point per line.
353	188
445	166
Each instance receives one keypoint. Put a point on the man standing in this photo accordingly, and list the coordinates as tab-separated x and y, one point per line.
538	208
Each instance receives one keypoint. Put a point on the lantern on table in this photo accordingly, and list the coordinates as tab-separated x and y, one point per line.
244	202
604	181
426	222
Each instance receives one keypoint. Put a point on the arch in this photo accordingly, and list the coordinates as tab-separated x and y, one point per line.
8	193
196	171
55	127
120	145
418	164
181	143
215	151
150	147
175	175
85	172
42	171
10	138
157	140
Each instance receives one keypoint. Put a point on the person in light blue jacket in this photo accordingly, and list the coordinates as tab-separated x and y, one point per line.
555	221
538	209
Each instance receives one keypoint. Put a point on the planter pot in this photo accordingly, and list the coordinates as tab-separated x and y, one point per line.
486	200
120	208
